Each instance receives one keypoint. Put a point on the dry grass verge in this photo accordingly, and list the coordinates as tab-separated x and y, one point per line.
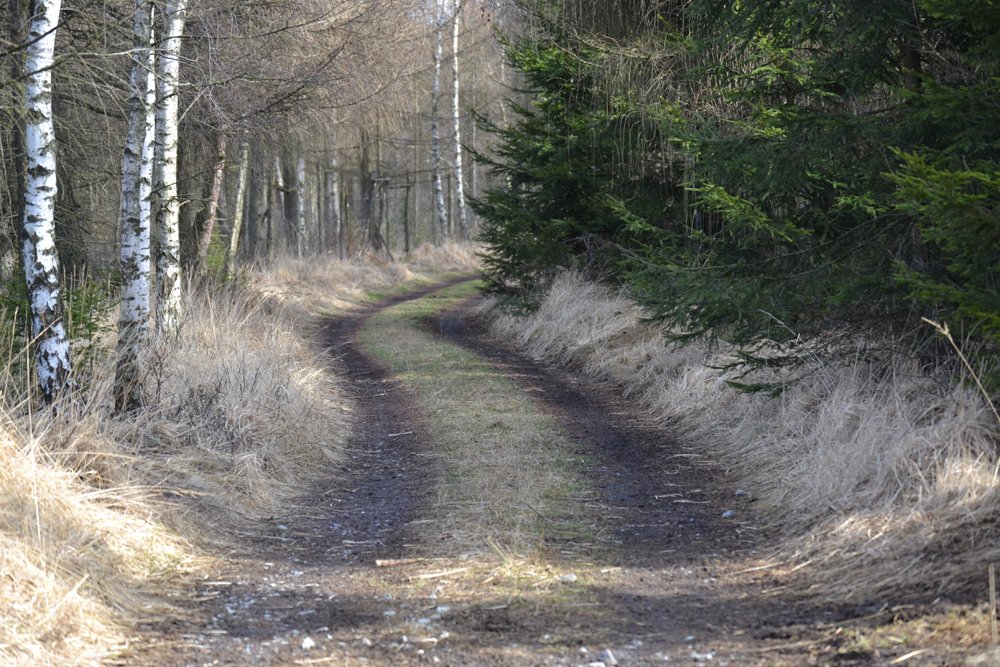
101	515
890	475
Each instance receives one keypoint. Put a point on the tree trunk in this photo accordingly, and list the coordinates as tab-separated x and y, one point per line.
463	222
253	213
300	205
133	321
234	231
333	210
319	223
278	220
168	256
41	260
214	195
406	217
13	226
441	230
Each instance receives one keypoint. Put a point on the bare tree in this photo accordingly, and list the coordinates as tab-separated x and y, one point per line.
218	175
440	207
463	221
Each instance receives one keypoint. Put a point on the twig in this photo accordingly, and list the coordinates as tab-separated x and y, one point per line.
782	647
396	562
912	654
943	330
438	575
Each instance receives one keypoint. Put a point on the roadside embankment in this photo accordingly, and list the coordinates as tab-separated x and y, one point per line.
884	479
104	517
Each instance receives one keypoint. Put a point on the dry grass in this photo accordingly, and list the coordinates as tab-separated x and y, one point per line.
101	516
303	286
890	475
76	559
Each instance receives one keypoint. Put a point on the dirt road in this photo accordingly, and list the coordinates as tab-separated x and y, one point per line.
640	553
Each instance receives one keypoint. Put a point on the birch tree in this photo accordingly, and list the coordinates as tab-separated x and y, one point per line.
300	203
440	208
168	256
463	224
41	259
237	226
133	322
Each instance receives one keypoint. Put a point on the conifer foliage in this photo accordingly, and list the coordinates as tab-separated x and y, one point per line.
760	171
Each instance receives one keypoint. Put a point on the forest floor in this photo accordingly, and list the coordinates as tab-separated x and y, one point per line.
495	512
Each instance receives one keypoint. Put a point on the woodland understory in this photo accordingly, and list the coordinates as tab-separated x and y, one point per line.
770	226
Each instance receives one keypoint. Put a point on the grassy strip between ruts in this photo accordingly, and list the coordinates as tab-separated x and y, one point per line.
509	483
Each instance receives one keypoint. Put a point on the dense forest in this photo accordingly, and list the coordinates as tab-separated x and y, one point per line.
761	172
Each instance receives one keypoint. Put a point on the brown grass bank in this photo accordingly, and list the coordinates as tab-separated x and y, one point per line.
884	480
103	516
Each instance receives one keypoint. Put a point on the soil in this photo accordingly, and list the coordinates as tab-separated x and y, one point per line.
337	582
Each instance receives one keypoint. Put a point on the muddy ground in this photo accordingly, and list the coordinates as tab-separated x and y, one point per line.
681	577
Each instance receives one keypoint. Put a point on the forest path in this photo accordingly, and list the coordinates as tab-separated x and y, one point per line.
493	512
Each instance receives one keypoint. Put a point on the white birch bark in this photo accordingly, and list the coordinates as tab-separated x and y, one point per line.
133	320
440	208
463	221
237	226
41	260
168	256
300	205
333	192
149	135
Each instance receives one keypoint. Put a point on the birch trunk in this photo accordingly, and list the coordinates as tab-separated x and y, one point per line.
149	140
133	321
168	256
234	232
41	260
300	205
441	230
463	222
215	194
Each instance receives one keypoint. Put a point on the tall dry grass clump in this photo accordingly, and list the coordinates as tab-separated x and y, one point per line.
244	411
81	552
885	479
